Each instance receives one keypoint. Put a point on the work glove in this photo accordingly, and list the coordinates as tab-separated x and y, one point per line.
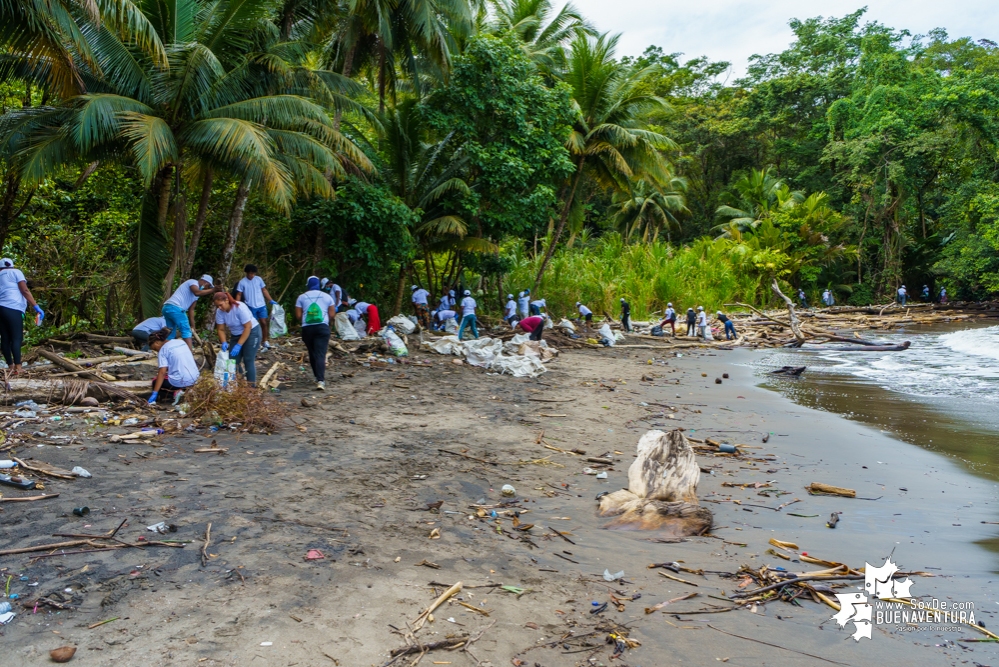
41	314
152	399
236	350
273	302
225	347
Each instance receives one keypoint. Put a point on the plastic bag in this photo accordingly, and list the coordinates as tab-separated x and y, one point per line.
656	331
278	325
344	329
451	326
567	325
402	323
607	335
225	369
394	343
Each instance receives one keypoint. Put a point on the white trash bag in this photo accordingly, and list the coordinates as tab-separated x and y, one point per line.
278	326
606	334
394	343
344	329
402	324
225	369
566	325
451	326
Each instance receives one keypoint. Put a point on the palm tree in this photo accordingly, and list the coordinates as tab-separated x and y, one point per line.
757	195
608	142
543	32
647	208
217	105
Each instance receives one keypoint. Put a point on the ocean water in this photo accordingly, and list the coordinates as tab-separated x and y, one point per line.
942	393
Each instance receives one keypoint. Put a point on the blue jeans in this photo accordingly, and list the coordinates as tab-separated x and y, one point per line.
730	329
468	321
177	321
247	357
534	310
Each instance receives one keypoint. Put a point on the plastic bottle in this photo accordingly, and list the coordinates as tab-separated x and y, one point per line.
5	607
7	464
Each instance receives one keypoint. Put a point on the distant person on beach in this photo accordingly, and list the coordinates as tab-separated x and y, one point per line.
370	313
468	316
539	306
447	301
244	329
926	293
179	308
534	325
314	309
943	295
729	327
421	306
524	303
625	315
252	291
177	368
691	322
902	295
510	311
443	316
585	313
15	297
702	322
670	319
827	297
140	334
802	299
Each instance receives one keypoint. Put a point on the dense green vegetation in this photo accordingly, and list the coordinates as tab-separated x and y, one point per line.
494	146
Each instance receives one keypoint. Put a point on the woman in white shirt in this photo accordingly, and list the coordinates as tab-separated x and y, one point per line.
468	316
237	317
178	370
14	299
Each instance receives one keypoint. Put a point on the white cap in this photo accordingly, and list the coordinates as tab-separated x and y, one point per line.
700	308
718	313
578	303
208	279
351	302
509	296
322	283
467	293
622	298
450	292
414	287
669	305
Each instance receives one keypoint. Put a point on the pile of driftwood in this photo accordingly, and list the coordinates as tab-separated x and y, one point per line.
68	381
841	326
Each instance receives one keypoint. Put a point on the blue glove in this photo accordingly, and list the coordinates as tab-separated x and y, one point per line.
41	313
273	302
225	347
152	399
235	350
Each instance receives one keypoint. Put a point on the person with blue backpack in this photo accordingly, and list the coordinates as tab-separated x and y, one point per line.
314	309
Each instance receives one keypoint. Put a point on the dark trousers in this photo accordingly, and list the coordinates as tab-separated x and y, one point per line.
11	334
626	322
538	330
730	331
691	329
317	341
141	339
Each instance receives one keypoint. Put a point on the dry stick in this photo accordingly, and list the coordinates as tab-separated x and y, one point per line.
466	456
438	602
845	577
45	547
454	642
783	648
204	548
28	498
269	374
44	471
560	535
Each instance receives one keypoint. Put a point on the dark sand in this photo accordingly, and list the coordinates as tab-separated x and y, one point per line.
350	481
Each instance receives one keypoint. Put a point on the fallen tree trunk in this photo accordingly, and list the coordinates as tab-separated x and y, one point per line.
793	319
73	367
68	391
873	348
117	340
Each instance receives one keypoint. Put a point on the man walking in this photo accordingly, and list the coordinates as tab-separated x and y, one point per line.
625	315
468	316
252	291
421	306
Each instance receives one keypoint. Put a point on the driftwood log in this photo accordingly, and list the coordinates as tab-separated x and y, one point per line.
73	367
69	391
662	489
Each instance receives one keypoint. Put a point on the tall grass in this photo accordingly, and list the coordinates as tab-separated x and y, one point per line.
707	273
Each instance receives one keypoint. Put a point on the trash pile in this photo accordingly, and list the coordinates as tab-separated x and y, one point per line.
519	356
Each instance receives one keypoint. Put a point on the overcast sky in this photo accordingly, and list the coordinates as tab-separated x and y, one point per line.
733	30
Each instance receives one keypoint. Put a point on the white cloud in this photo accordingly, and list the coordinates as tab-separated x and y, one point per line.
733	30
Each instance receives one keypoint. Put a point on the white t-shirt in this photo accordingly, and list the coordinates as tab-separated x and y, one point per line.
361	307
337	293
10	294
444	315
176	357
670	314
353	315
522	303
420	296
238	317
183	297
151	325
540	303
901	291
253	294
702	319
511	308
584	311
324	300
467	306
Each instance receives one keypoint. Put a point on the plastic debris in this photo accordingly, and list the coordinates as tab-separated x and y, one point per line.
80	472
508	490
613	577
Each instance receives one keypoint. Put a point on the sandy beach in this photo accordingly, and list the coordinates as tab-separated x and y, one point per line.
352	476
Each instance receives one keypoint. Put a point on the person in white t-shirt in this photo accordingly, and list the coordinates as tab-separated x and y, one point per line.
421	305
314	309
523	303
252	291
238	318
539	306
443	316
14	300
178	370
702	322
510	311
585	313
468	316
179	308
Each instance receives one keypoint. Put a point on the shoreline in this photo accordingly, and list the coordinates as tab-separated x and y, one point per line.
354	478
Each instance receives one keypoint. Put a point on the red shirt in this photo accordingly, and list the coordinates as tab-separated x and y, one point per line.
529	324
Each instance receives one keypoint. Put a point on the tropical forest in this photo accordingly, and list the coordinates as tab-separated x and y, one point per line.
494	146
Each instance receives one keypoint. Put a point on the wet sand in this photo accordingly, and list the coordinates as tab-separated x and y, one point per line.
353	479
